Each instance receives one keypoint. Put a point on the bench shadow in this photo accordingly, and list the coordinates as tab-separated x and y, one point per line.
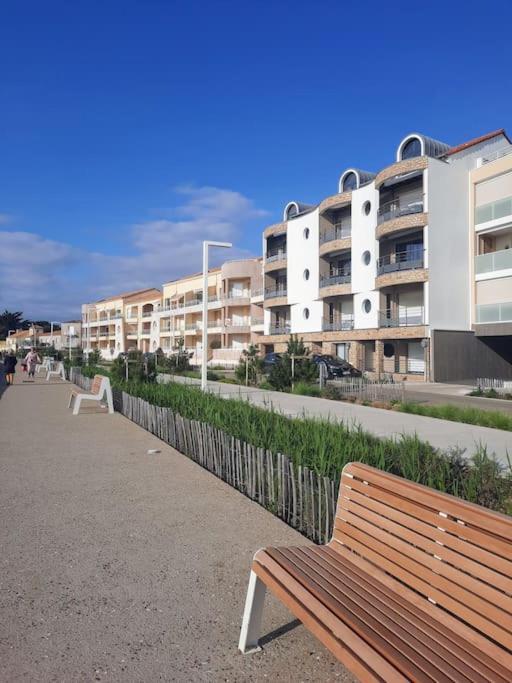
280	631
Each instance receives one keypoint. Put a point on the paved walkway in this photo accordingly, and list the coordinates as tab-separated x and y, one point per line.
117	565
385	423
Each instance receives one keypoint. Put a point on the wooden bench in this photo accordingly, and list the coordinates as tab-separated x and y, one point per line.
415	585
99	388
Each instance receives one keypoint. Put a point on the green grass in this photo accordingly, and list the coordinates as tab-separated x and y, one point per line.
326	446
473	416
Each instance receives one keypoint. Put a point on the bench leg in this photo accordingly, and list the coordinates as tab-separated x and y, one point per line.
251	622
76	407
70	400
110	402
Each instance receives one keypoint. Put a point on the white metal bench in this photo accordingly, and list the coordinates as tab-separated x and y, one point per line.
46	365
58	372
100	387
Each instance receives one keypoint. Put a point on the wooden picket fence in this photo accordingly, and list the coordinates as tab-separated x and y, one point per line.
296	494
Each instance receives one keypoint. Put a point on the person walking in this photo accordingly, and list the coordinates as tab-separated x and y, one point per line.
32	359
10	361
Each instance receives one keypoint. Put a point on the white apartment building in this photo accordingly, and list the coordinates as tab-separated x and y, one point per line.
166	319
382	273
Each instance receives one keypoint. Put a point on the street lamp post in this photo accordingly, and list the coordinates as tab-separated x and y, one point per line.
204	359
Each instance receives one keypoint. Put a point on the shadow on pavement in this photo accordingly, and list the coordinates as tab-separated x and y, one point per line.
278	632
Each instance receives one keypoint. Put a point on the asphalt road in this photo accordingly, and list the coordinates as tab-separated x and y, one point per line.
117	565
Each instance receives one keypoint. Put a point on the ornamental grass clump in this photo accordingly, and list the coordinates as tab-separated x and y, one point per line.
326	446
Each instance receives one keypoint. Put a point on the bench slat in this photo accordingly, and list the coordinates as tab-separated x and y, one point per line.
424	550
446	639
481	518
495	554
346	645
386	621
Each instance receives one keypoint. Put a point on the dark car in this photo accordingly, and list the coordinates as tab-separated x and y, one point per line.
269	360
336	367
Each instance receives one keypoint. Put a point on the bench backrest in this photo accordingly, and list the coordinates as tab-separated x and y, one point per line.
96	384
440	549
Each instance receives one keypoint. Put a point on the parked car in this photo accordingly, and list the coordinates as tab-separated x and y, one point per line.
269	360
336	367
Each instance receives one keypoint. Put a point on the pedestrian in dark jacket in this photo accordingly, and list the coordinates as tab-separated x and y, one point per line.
9	366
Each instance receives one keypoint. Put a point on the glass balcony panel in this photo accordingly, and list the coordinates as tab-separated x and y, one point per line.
493	210
497	260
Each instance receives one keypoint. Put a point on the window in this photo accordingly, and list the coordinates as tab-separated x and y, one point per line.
411	149
389	350
306	233
366	257
305	313
349	182
367	207
367	306
292	211
306	274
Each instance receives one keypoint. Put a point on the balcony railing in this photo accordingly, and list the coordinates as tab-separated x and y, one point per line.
497	155
402	260
275	293
397	208
496	260
147	314
280	328
256	321
339	231
494	313
338	276
405	316
237	295
116	316
256	292
337	323
237	322
493	211
275	255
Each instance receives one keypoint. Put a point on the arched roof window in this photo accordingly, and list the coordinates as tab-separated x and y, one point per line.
349	182
411	149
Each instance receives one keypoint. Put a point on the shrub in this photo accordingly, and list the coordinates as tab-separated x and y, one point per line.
287	372
474	416
250	367
303	389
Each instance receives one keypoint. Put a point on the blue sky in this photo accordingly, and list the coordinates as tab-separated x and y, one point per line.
132	130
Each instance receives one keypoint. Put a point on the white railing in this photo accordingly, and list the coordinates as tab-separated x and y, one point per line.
370	390
496	260
500	386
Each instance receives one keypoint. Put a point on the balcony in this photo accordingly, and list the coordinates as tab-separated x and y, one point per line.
397	208
237	297
494	211
494	313
276	293
405	316
338	323
275	255
401	260
494	261
338	276
496	155
339	231
147	314
280	328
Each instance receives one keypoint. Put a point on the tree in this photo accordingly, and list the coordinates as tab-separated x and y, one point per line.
250	366
293	366
11	320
